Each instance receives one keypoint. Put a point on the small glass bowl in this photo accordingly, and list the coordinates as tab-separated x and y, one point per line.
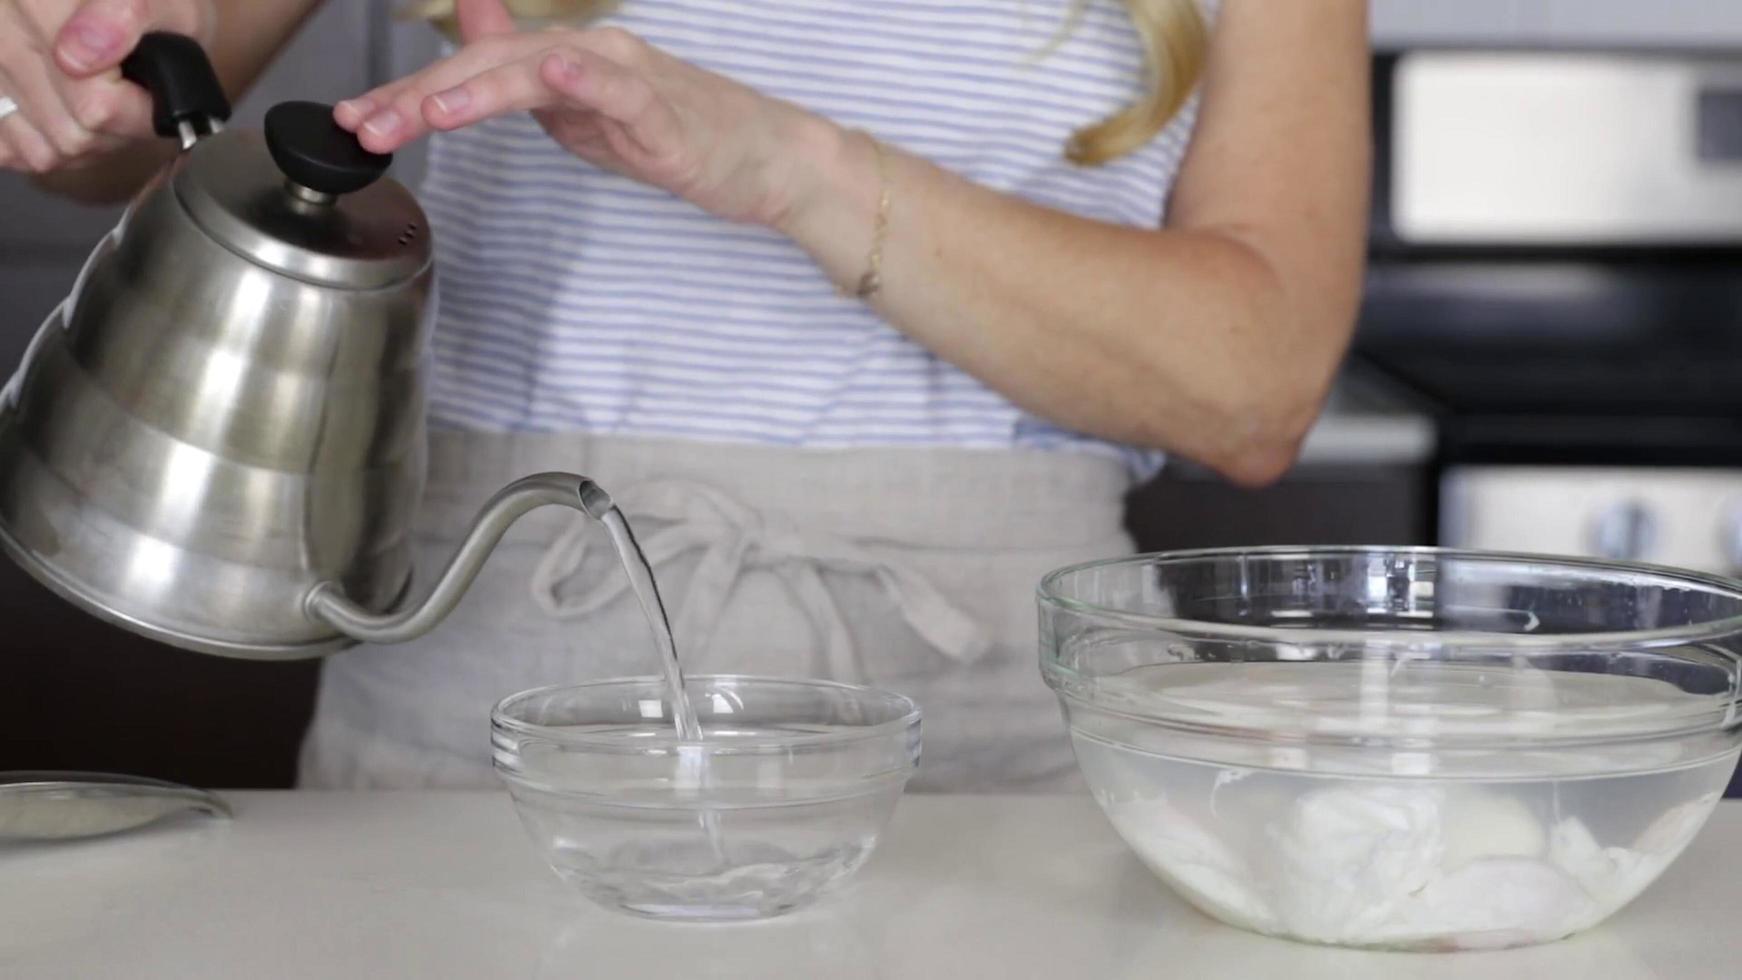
1399	748
783	797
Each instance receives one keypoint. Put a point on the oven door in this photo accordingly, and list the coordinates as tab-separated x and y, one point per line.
1691	518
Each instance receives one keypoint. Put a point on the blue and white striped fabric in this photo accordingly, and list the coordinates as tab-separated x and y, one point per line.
574	299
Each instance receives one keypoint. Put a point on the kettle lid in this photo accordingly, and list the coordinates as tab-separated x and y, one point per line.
305	199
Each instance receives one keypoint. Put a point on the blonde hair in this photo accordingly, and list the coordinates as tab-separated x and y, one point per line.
1175	42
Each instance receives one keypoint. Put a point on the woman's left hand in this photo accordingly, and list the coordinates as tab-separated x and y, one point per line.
614	101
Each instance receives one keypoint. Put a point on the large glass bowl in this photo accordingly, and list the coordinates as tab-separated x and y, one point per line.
783	797
1407	749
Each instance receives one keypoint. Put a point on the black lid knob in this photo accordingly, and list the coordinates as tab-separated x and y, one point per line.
179	76
315	152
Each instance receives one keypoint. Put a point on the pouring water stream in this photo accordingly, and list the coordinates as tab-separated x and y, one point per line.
646	590
692	763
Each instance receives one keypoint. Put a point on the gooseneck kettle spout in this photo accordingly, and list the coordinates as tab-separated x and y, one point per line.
327	601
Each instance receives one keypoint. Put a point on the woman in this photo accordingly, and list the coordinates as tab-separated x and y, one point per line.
868	314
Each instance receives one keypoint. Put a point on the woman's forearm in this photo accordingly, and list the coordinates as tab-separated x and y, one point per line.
1184	339
1215	337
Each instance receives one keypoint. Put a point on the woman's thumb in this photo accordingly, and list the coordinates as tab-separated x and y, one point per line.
480	19
102	32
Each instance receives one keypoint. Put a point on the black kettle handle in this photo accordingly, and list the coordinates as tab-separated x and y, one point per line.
184	88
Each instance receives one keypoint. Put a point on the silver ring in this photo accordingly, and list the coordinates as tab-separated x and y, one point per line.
7	106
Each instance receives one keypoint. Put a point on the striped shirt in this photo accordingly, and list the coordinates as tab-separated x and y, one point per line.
575	299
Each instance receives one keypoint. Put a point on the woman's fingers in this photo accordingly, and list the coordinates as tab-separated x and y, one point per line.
382	117
102	32
113	110
543	77
564	76
27	81
69	101
595	82
97	36
62	120
21	145
27	148
605	70
514	87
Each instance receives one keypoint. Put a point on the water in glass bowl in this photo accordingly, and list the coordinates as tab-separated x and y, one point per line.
757	847
747	808
1514	841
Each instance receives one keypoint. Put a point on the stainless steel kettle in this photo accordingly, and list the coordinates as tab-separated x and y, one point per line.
217	440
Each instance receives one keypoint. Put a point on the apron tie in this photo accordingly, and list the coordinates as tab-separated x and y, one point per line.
735	539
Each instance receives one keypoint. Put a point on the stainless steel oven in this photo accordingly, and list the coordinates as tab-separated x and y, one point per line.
1557	269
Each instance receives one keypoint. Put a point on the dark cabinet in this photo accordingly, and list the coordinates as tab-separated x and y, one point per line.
1316	504
78	694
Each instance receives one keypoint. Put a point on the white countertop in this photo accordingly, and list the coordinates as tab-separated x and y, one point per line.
445	885
1366	423
1352	438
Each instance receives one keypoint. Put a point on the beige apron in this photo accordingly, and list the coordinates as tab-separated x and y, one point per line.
907	569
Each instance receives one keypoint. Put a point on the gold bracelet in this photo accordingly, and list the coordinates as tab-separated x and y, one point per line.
871	283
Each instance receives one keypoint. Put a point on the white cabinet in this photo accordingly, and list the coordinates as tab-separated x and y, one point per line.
1560	23
1404	23
1607	23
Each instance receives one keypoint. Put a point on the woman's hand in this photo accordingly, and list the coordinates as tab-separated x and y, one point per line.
1215	337
612	100
60	66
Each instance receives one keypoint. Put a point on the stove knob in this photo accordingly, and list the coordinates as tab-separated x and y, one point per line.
1624	532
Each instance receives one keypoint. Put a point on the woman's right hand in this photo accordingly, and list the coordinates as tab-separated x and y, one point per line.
60	65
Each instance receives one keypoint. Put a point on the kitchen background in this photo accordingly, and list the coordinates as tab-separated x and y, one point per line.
1548	357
